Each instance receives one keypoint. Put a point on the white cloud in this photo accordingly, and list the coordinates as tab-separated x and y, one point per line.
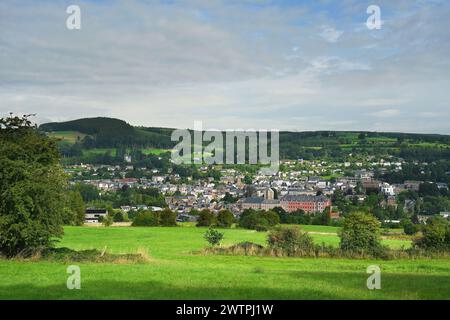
330	34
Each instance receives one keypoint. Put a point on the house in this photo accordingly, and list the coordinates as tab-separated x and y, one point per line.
93	215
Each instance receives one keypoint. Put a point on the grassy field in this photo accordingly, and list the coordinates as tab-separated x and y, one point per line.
67	136
177	269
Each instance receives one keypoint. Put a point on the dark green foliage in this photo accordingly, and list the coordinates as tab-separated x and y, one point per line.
146	219
291	240
409	227
167	218
435	235
213	237
206	218
360	233
225	219
31	188
258	220
74	209
118	216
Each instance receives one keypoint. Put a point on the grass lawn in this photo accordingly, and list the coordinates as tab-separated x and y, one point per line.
178	270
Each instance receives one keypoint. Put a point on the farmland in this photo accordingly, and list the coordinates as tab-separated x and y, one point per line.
178	269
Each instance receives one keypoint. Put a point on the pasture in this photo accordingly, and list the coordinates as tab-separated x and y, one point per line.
178	269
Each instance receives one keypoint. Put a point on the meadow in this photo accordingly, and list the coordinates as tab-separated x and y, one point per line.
178	269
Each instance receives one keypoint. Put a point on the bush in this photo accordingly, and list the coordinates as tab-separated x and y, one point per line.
168	218
271	217
118	217
108	220
213	237
258	220
360	234
146	219
225	219
409	228
292	241
206	218
435	235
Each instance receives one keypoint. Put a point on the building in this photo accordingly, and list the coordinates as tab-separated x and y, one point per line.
257	203
309	204
93	215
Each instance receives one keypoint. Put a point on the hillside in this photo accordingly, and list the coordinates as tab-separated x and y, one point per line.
103	132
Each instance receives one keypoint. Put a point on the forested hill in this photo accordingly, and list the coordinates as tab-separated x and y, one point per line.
114	133
109	133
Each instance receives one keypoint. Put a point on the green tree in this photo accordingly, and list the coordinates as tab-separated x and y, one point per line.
168	218
435	235
409	227
213	237
108	220
206	218
146	219
32	185
74	209
225	219
291	240
118	216
360	233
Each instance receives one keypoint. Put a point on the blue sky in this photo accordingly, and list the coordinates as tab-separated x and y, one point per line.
288	65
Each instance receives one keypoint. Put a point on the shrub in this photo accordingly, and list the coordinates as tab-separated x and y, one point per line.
291	240
409	228
206	218
258	220
108	220
271	217
225	219
213	237
435	235
146	219
118	216
168	218
360	233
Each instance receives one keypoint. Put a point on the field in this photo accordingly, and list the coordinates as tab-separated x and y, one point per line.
177	269
67	136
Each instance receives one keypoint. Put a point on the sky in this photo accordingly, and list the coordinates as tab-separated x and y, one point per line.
250	64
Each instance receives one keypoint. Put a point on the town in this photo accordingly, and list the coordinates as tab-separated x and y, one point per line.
301	185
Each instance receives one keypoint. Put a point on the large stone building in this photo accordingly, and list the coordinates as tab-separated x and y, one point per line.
309	204
289	203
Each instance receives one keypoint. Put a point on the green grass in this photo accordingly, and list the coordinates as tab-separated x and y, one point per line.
154	151
178	270
67	136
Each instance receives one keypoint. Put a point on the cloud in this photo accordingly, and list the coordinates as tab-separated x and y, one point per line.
260	64
330	34
386	113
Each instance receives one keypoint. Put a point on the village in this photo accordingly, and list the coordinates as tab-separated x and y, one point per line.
299	185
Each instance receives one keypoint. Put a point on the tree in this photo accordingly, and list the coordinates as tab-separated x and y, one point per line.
291	240
108	220
271	217
32	185
213	237
225	219
146	219
435	235
206	218
118	216
74	209
168	218
360	233
409	227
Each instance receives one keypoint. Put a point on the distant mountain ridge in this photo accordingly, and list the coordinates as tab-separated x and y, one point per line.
102	132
